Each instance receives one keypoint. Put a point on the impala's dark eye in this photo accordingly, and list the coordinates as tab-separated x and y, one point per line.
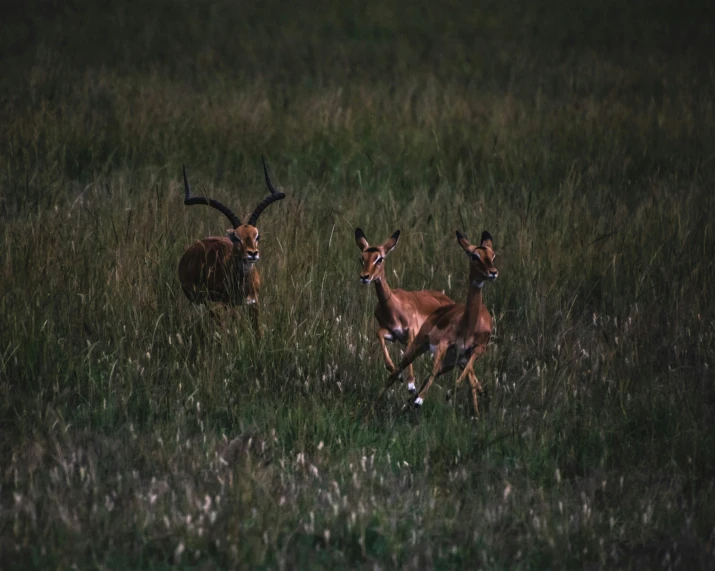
258	237
235	238
476	256
379	261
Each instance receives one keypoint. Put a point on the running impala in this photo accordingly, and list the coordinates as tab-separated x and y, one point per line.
399	313
456	335
222	268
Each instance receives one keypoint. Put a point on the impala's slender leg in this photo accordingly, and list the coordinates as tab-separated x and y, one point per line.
381	332
476	387
469	372
410	372
413	351
438	357
464	373
477	352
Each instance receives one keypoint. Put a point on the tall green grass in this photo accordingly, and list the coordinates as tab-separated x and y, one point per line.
137	432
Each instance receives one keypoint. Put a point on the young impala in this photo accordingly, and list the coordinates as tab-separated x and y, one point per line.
221	268
399	313
456	335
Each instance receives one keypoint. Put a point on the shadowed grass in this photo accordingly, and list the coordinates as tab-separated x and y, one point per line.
137	432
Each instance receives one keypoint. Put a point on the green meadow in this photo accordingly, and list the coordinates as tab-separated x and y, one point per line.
136	432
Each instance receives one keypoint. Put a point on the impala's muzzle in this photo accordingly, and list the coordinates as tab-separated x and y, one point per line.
252	257
493	274
365	279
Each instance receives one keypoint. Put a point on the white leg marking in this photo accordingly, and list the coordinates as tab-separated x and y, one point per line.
411	387
419	401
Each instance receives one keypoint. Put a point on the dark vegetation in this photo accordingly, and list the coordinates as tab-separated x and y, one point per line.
135	432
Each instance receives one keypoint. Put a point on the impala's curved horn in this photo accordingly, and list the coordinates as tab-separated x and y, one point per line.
192	200
268	200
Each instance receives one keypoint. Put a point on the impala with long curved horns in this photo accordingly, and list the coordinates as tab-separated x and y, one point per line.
456	335
399	313
222	268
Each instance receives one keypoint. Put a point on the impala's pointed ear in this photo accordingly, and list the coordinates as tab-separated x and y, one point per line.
463	242
391	242
487	240
360	240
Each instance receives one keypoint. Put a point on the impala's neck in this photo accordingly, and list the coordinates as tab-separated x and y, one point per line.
242	268
474	299
384	293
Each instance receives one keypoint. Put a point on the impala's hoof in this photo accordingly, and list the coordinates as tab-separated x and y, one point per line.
411	388
418	402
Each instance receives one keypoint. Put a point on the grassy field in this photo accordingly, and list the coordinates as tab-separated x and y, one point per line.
136	432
